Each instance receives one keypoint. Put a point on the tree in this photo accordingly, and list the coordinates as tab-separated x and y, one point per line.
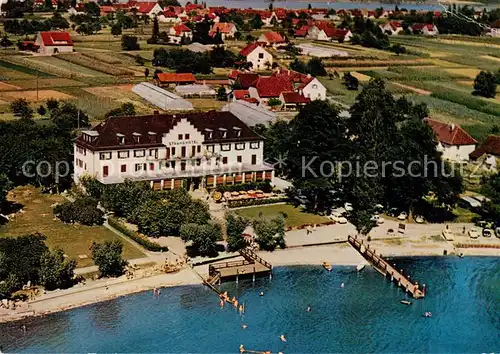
116	29
315	67
235	225
316	142
130	43
108	258
92	9
156	30
485	85
21	108
83	210
203	237
274	102
52	104
140	60
350	82
270	232
5	186
256	22
56	272
221	94
68	116
126	109
299	66
41	110
6	42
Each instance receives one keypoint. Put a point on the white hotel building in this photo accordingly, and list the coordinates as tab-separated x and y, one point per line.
192	150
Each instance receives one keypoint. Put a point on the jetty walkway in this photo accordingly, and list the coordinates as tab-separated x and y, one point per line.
251	265
383	267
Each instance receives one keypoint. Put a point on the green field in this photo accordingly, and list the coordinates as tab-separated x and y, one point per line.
295	216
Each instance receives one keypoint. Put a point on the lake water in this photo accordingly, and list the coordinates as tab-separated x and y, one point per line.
363	316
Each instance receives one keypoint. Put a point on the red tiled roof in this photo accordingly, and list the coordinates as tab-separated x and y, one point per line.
294	97
251	100
491	147
180	29
176	77
294	77
169	14
223	27
274	37
107	9
56	38
249	49
233	74
272	86
241	94
421	26
302	31
247	80
145	7
450	134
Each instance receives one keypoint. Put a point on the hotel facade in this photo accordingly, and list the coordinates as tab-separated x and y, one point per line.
192	150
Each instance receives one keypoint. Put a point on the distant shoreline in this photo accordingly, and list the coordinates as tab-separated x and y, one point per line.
110	289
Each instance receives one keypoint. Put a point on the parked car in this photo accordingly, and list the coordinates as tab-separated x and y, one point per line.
348	207
487	232
497	231
338	217
474	232
403	216
448	235
419	219
378	219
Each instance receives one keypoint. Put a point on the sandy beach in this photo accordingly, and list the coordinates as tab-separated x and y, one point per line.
324	244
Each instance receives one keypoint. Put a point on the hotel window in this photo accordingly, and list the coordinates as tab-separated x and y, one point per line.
224	160
210	148
123	168
225	147
121	140
186	136
193	150
239	158
153	152
151	166
239	146
198	162
173	151
139	167
105	156
123	154
183	166
183	151
254	145
179	137
105	171
254	159
172	164
139	153
198	149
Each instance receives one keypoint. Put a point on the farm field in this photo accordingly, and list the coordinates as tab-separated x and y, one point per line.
75	240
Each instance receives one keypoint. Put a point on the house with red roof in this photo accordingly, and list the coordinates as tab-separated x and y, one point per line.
454	142
427	29
226	29
268	17
392	27
107	10
307	85
268	87
150	9
174	79
293	101
169	16
41	3
179	31
488	152
259	57
54	42
271	39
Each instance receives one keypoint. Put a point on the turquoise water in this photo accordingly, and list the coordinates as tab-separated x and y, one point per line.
363	316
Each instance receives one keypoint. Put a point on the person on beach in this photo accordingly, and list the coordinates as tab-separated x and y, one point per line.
235	303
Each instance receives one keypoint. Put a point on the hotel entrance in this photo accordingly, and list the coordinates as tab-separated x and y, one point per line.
194	183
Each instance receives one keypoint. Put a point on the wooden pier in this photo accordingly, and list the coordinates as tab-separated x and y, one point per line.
382	266
250	266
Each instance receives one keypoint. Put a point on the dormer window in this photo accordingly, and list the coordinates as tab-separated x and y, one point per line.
137	137
90	136
223	132
152	137
237	131
208	133
121	138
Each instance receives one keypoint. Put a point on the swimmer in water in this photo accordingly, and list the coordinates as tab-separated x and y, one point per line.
282	337
242	348
221	303
342	285
261	293
241	309
308	309
244	326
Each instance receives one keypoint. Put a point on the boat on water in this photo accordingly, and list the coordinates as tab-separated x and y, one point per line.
406	302
327	266
360	267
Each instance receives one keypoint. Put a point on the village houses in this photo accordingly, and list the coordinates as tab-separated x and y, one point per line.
258	56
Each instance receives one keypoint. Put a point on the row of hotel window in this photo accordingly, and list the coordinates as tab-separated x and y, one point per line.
171	151
171	164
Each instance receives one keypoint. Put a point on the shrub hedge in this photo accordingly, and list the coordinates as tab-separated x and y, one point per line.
263	186
254	202
142	240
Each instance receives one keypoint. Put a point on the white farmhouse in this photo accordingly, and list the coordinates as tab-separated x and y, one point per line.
454	142
488	152
54	43
259	57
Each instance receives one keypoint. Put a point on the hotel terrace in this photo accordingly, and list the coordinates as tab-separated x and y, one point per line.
192	150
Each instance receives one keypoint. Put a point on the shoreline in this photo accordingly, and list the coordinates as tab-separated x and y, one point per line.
109	289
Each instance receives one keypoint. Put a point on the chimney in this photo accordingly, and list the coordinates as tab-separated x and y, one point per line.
452	127
308	76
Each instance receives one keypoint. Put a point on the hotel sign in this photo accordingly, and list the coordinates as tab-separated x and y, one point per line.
183	142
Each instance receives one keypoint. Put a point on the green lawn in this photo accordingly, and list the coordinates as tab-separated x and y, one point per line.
295	215
75	240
